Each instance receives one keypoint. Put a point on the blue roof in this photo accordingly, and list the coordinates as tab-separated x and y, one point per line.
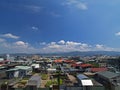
81	77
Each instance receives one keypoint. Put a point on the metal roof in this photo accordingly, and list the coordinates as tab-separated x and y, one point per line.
108	74
23	67
1	59
19	68
35	77
13	69
34	80
87	82
81	77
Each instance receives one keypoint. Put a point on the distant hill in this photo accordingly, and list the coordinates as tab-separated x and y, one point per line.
91	53
76	53
88	53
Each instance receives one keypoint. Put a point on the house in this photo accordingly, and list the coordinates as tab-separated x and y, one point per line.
34	82
84	80
88	84
109	79
97	69
59	61
69	61
24	70
82	67
18	71
51	70
2	72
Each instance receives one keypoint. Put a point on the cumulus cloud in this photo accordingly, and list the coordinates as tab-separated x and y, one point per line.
99	46
51	47
9	35
117	34
61	42
76	3
52	43
17	47
66	46
55	46
21	44
69	46
72	43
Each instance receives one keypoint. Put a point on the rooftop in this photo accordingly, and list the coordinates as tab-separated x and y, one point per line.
98	69
34	80
23	67
81	77
87	82
108	74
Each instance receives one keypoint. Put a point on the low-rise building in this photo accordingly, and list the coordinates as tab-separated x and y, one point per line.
33	82
18	71
109	79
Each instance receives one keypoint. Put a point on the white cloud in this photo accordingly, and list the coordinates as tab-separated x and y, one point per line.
69	46
2	40
33	8
52	47
9	35
43	43
17	47
85	47
35	28
55	46
61	42
76	3
117	34
66	46
70	2
21	44
82	6
72	43
55	14
99	46
52	43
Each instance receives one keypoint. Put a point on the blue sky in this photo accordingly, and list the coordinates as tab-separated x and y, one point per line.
33	26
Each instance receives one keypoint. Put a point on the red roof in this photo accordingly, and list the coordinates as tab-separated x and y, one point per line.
82	65
98	69
68	61
85	65
4	61
58	61
2	64
75	65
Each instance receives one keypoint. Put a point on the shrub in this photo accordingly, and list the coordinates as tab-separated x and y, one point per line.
55	82
44	76
23	81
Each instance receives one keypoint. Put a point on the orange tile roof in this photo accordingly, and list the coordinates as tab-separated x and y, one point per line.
98	69
68	61
58	61
85	65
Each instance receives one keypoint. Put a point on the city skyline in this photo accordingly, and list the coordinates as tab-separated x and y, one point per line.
45	26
